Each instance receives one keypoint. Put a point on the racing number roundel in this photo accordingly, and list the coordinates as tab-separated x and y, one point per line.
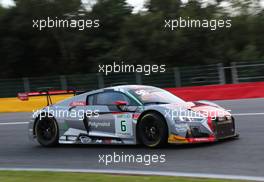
123	125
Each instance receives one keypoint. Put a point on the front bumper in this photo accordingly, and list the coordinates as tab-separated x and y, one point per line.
175	139
212	131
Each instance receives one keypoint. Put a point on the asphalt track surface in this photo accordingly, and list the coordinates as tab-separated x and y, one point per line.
243	156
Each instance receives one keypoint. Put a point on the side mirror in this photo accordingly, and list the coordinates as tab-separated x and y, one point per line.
120	103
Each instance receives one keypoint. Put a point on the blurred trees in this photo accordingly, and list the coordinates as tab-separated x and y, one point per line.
125	36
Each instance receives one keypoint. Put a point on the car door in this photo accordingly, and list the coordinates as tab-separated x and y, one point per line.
111	120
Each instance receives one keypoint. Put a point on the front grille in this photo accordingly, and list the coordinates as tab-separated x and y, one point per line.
224	128
197	132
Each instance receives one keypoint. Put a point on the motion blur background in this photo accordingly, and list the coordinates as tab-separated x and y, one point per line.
67	58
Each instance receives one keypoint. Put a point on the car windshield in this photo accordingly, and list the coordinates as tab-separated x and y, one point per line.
153	95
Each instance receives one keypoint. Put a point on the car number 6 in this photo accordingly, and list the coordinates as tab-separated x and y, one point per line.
123	126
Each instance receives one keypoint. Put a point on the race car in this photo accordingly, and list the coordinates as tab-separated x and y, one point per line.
130	115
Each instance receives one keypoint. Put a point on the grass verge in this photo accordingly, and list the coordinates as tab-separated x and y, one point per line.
25	176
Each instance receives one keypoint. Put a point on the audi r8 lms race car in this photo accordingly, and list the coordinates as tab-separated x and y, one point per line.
130	114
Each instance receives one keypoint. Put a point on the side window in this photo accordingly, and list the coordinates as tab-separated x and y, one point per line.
108	98
90	100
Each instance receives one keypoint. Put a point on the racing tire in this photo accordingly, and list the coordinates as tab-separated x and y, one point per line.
47	132
152	130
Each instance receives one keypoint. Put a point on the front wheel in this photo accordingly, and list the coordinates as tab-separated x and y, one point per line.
47	132
152	130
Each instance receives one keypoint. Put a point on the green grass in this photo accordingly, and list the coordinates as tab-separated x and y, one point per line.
21	176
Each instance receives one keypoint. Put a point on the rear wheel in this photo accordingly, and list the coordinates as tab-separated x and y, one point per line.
152	130
47	132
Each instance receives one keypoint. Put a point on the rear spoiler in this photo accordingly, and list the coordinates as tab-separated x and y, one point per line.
25	96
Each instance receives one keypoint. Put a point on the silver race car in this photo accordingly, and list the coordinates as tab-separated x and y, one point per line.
130	114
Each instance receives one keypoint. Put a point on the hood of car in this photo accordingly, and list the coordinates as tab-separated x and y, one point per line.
208	109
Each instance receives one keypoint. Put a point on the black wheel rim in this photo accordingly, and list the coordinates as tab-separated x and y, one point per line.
151	130
46	129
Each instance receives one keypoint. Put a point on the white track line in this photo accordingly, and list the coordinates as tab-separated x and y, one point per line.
14	123
247	114
133	172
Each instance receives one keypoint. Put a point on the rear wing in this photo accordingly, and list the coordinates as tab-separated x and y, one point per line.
25	96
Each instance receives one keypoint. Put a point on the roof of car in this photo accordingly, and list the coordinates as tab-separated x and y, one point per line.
128	86
119	87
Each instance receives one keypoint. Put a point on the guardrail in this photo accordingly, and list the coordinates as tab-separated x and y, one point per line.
173	77
248	72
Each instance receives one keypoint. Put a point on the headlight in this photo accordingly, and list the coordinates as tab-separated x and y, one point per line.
191	119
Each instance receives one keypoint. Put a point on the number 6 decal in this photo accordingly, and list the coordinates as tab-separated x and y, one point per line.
123	126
